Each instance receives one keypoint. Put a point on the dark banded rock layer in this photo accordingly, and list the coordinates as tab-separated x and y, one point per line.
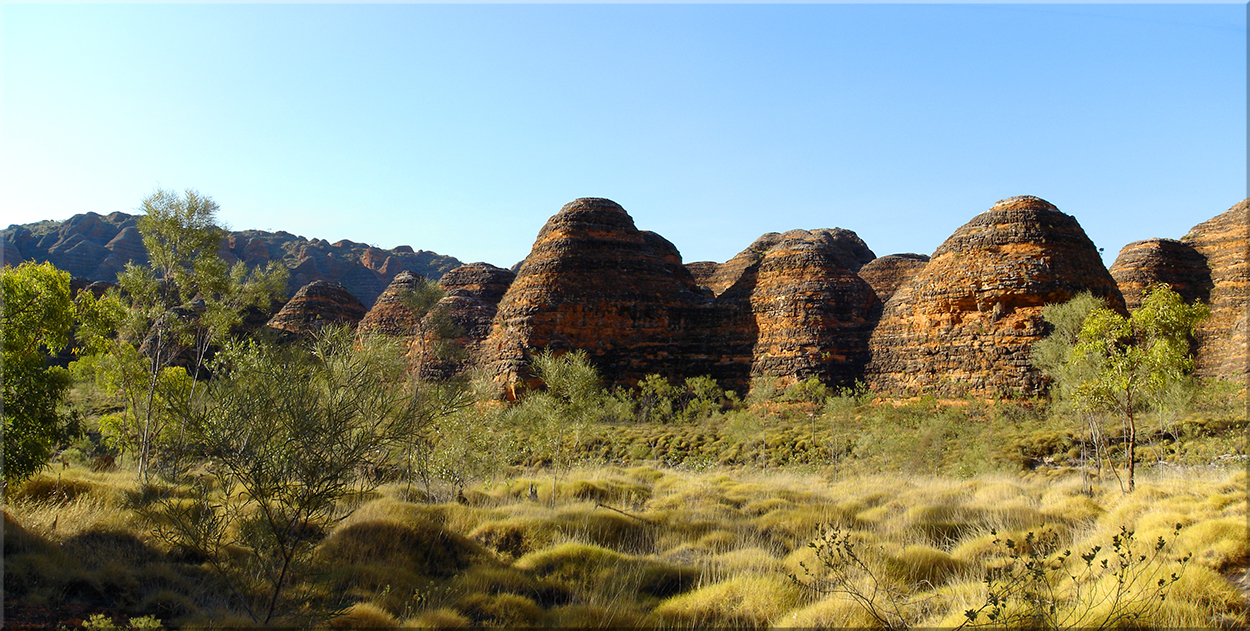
317	305
887	273
1142	264
1223	338
966	323
592	281
813	315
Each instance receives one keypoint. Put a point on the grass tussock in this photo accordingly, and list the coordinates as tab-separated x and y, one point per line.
741	601
641	546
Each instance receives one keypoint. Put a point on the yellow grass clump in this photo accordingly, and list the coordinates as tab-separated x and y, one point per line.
503	610
442	618
743	600
364	616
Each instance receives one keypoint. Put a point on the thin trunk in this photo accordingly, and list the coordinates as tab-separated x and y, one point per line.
1132	451
145	441
277	588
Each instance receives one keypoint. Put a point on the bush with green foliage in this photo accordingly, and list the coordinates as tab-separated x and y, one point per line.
37	317
557	418
1125	366
288	434
174	311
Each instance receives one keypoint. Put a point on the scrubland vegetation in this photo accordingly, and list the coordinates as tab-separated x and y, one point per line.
693	520
182	472
644	545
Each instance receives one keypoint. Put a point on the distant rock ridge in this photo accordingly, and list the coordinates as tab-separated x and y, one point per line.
965	324
792	305
96	247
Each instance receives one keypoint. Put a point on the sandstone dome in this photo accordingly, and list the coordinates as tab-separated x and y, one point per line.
1224	338
1141	264
965	324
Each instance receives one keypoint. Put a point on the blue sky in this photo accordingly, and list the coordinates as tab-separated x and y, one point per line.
462	128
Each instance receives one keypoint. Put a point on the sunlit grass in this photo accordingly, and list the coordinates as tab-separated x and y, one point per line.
646	546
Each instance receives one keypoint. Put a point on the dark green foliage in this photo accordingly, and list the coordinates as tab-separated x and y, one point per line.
557	418
175	312
1127	366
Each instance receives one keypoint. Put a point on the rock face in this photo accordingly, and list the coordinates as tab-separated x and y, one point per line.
845	247
593	281
791	305
888	273
97	247
450	334
812	312
90	246
389	315
478	280
470	306
702	272
965	324
1223	338
1141	264
316	305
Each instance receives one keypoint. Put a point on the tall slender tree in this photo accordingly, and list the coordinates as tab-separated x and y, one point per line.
1124	365
186	301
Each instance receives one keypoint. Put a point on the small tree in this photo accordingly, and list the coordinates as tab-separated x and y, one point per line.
1127	364
560	414
655	399
36	321
289	433
434	351
1051	355
702	398
181	306
438	429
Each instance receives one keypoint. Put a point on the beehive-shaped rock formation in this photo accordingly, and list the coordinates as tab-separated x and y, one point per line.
1223	337
702	272
812	313
479	280
389	314
886	274
592	281
456	327
1142	264
843	246
318	304
966	323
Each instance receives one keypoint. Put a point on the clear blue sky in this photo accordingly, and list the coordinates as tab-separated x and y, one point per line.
461	129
